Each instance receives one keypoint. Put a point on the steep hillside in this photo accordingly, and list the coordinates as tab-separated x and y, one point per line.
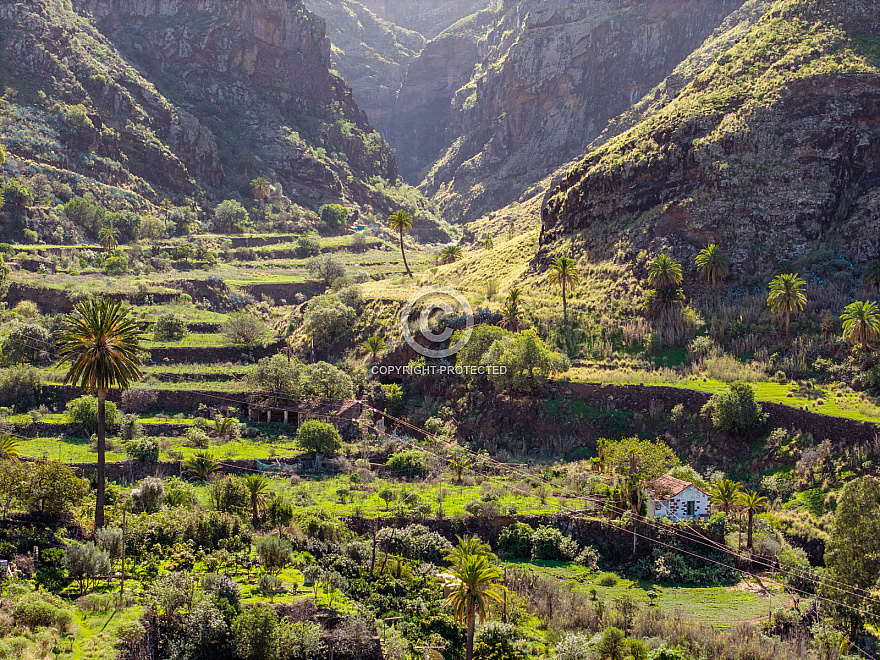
767	145
371	54
135	102
552	76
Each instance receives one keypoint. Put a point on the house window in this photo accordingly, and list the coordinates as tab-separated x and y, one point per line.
691	508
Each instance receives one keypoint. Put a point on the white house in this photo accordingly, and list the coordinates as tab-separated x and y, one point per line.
676	499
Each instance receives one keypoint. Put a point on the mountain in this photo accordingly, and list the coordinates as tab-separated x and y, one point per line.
765	141
188	100
427	17
548	78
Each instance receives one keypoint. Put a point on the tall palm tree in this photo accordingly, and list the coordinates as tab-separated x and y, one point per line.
260	189
752	502
510	310
725	494
861	323
450	254
202	464
664	272
713	264
472	582
374	346
401	222
257	486
787	295
564	272
101	341
167	206
109	237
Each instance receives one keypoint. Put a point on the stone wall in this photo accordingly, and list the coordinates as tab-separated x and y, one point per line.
169	401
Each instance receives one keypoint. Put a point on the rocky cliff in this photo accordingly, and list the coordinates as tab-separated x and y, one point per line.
427	17
550	78
766	142
187	99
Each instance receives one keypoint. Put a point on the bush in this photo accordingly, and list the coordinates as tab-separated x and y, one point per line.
574	646
334	215
139	400
351	296
274	554
34	610
515	541
318	436
735	411
324	380
230	495
148	496
27	342
222	586
498	641
548	543
528	362
85	562
179	493
169	327
409	463
326	268
244	328
393	395
116	266
308	245
142	448
415	542
231	217
20	389
130	632
607	580
327	318
84	412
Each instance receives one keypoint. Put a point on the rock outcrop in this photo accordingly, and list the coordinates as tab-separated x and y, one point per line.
550	78
767	144
427	17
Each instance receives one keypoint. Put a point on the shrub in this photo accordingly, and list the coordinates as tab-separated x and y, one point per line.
308	245
327	318
86	215
230	495
528	362
27	342
274	554
222	586
607	580
138	400
231	217
324	380
130	632
735	411
35	610
169	327
244	328
334	215
498	641
393	395
257	633
326	268
574	646
515	541
409	463
318	436
148	496
84	412
142	448
85	562
548	543
179	493
20	388
116	266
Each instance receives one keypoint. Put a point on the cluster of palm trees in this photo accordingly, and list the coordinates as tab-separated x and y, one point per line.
665	276
730	495
471	584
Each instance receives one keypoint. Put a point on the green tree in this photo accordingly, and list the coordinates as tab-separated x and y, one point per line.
725	494
658	301
664	272
85	562
713	264
257	633
401	222
527	360
334	215
752	502
326	268
473	582
52	488
83	411
652	458
450	254
327	318
101	341
511	310
861	323
735	410
257	486
564	273
787	294
260	190
320	437
499	641
374	346
279	512
231	217
852	553
274	553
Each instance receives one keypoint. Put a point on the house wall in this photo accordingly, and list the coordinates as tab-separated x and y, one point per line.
675	508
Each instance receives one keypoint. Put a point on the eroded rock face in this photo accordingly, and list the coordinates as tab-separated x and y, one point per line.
550	78
781	161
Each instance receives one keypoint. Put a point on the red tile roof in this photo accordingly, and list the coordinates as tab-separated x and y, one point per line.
667	486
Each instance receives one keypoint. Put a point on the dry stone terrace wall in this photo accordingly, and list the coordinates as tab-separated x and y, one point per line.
637	399
169	401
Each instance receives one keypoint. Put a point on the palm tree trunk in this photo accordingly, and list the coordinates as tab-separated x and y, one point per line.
787	320
749	537
469	649
102	434
564	307
256	516
403	254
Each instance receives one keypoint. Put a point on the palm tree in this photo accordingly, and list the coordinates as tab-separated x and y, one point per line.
109	237
401	222
725	493
450	254
167	206
752	502
9	447
713	264
101	341
257	486
202	464
564	272
664	272
861	323
787	295
374	346
510	310
659	300
472	582
260	190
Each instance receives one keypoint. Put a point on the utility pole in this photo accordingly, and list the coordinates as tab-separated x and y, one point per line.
122	580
